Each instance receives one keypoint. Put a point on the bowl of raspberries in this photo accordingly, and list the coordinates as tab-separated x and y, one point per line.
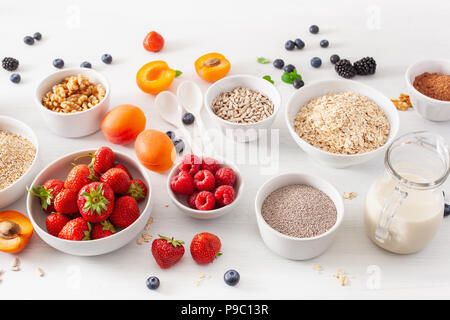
203	187
90	202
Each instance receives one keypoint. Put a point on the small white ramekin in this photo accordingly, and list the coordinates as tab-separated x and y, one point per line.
59	169
243	132
302	96
429	108
180	200
73	125
291	247
14	191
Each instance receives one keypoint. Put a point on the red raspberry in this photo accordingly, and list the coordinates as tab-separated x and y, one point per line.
182	183
191	200
204	180
205	201
190	163
225	176
224	195
210	164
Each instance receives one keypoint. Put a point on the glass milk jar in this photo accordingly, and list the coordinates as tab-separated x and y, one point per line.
405	205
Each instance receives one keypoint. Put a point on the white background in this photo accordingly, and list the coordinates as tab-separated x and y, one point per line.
396	33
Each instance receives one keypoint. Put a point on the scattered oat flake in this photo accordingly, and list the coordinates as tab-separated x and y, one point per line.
349	195
140	241
196	283
341	277
317	267
166	205
40	272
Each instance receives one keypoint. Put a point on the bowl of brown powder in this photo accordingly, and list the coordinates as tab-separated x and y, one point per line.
428	83
298	215
18	158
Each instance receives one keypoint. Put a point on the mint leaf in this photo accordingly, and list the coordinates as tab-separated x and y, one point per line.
263	60
289	77
268	78
178	73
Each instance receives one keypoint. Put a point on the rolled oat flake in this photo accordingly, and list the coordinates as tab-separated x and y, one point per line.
299	211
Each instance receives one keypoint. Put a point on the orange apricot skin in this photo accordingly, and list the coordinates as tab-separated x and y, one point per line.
122	124
155	150
212	73
18	243
154	77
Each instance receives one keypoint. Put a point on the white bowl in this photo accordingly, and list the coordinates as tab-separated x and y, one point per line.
292	247
180	200
429	108
302	96
14	191
59	169
243	132
73	125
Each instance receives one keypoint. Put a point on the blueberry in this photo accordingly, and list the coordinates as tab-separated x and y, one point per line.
316	62
289	45
231	277
188	118
289	68
334	58
58	63
324	43
37	36
298	83
86	64
314	29
446	210
107	58
15	77
28	40
152	283
179	145
278	63
171	135
299	43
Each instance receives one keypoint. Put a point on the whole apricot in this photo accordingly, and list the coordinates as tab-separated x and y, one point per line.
122	124
155	150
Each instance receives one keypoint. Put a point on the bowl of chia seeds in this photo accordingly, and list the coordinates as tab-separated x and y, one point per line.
298	215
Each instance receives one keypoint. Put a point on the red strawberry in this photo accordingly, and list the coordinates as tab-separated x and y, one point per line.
224	195
47	193
182	183
96	201
126	211
55	222
121	166
205	247
225	176
191	200
66	202
102	230
205	201
76	230
117	179
204	180
102	160
79	176
167	251
210	164
137	190
190	163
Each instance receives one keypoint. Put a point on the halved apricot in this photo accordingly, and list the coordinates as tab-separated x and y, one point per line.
212	66
154	77
15	231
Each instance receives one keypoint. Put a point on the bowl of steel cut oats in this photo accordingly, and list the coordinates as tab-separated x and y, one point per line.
18	159
73	102
243	106
341	123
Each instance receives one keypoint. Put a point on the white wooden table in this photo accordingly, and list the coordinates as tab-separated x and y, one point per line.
395	33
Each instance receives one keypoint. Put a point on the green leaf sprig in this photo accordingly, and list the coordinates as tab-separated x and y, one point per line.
289	77
263	60
269	78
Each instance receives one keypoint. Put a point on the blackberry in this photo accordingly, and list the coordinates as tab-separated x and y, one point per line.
365	66
10	64
345	69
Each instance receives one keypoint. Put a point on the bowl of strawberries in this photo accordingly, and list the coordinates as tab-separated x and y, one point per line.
203	187
90	202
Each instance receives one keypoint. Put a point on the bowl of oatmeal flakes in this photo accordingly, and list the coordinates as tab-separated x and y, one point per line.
73	102
341	123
